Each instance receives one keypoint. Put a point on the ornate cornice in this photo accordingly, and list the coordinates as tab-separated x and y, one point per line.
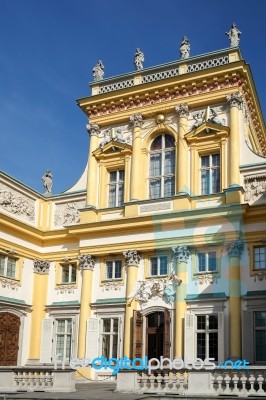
182	110
132	258
136	120
234	249
93	129
86	261
235	99
41	266
181	254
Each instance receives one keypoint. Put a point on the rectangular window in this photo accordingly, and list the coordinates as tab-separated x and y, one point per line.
8	266
158	266
69	273
116	188
114	269
259	257
109	337
260	335
207	261
207	336
63	338
210	174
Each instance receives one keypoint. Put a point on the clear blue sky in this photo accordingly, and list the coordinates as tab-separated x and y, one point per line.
49	47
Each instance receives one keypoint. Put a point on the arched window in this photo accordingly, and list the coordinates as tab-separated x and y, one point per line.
162	167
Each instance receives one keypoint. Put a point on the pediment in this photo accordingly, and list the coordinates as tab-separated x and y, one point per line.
207	130
112	147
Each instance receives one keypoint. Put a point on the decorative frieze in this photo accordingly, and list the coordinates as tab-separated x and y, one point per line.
111	286
234	248
154	289
132	258
9	283
206	278
41	267
17	203
67	214
259	275
66	288
86	261
93	129
136	120
182	110
255	188
118	134
235	99
181	254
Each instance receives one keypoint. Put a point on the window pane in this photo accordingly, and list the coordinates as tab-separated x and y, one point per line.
11	267
121	173
169	185
73	273
2	264
213	345
205	161
169	141
68	346
202	262
154	266
112	195
155	189
157	143
106	345
213	321
156	164
216	160
212	261
69	325
115	325
114	352
169	162
201	322
260	319
201	345
109	270
260	337
163	265
61	325
60	345
118	268
113	176
65	274
120	199
107	325
216	180
205	182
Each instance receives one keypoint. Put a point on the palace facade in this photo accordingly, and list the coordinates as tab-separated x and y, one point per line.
160	247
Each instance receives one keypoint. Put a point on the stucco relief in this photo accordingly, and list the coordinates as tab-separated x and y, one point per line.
111	286
67	213
9	283
119	134
216	115
255	188
17	203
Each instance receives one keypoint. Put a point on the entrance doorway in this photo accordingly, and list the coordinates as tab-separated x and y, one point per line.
9	338
154	334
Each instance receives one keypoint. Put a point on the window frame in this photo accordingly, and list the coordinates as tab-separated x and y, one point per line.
70	266
116	184
256	329
110	334
114	261
211	170
163	176
65	334
254	259
207	258
5	274
207	332
158	257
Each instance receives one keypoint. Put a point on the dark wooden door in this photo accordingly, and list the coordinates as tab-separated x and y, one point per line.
9	338
137	334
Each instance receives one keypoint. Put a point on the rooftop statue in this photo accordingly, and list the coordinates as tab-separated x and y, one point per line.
234	36
184	48
98	71
47	180
138	59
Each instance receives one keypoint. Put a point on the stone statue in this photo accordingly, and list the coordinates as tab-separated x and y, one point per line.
138	59
47	180
214	118
98	71
234	36
184	48
199	118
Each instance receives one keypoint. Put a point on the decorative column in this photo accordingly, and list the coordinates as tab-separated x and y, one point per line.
94	131
235	101
181	255
132	262
136	160
182	152
86	263
40	286
234	250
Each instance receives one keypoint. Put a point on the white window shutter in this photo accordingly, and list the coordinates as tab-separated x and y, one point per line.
47	341
247	335
92	337
221	337
189	336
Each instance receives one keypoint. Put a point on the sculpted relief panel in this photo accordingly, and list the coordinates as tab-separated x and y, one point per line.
17	203
68	213
255	189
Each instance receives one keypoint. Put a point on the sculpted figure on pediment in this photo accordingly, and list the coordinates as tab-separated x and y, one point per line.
16	204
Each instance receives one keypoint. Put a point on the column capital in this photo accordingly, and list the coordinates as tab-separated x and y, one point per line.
235	100
41	266
136	120
234	248
181	253
182	110
132	258
93	129
86	262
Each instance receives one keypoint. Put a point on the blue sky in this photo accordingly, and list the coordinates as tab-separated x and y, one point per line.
49	47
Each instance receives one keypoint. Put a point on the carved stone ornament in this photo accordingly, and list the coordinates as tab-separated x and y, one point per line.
259	275
181	254
136	120
67	214
93	129
255	189
235	100
132	257
9	283
111	286
234	249
182	110
206	278
41	266
63	288
86	261
17	204
164	288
